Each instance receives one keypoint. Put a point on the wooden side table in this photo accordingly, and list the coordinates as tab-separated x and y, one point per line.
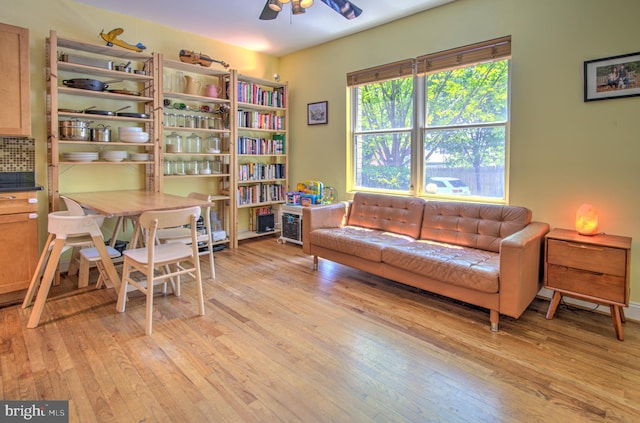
590	268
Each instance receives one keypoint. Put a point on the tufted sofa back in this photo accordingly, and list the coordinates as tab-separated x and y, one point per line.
401	215
480	226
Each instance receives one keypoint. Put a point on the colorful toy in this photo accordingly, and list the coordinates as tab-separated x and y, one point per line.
312	190
329	195
111	38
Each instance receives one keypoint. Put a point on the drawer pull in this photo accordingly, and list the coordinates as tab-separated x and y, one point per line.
7	197
585	247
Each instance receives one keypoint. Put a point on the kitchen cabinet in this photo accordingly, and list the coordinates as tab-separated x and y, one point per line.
196	147
18	240
15	108
133	92
261	118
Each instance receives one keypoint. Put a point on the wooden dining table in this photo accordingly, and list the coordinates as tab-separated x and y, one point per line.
131	203
128	203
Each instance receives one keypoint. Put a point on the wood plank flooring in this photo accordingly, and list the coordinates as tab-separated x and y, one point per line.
283	343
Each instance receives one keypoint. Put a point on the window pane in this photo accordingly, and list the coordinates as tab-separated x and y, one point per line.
385	105
472	95
382	161
467	161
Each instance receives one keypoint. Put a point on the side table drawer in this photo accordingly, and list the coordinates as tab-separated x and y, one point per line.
594	258
599	285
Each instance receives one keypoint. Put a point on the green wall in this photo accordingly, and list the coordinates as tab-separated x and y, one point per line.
563	152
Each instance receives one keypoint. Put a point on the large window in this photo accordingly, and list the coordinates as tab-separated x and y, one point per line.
440	130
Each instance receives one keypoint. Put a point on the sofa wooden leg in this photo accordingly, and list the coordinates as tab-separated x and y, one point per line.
315	262
494	317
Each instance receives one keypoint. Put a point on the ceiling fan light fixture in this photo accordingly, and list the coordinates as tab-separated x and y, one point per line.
275	5
306	3
296	7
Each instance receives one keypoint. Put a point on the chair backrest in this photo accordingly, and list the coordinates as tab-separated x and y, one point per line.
64	225
199	196
73	208
168	218
76	209
207	209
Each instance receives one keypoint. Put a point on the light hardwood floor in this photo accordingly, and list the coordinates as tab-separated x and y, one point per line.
283	343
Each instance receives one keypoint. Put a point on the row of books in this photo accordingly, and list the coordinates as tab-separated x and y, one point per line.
260	171
254	213
255	94
260	193
257	120
250	145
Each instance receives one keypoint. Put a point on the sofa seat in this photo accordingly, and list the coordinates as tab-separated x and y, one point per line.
462	266
357	241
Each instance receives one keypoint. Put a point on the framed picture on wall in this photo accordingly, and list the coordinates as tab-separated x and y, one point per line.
318	113
612	77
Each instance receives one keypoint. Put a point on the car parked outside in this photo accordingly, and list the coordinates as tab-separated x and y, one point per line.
446	185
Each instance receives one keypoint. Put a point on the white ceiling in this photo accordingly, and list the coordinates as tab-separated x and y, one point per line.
236	21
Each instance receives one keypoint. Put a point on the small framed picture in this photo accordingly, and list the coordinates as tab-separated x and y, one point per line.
318	113
612	77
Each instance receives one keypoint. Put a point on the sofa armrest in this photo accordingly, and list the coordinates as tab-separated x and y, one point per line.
520	268
329	216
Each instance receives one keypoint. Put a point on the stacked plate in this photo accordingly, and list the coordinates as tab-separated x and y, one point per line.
113	156
80	156
132	134
140	157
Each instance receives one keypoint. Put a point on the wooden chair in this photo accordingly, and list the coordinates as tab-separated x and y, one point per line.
65	232
76	262
169	257
183	234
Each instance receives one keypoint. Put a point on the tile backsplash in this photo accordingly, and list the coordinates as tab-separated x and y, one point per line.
17	154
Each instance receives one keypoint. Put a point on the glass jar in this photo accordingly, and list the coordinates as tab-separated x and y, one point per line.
172	119
190	121
168	167
178	167
194	144
215	122
216	166
173	143
180	121
212	144
205	167
192	167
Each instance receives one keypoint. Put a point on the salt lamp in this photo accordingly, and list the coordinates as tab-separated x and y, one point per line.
587	220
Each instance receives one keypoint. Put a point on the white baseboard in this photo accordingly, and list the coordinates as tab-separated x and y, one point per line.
631	313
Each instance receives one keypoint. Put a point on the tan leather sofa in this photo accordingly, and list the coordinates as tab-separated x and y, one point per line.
483	254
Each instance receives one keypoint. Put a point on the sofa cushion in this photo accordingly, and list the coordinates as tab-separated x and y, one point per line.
454	264
473	225
354	240
400	215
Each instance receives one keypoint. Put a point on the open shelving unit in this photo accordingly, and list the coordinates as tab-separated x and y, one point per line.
143	99
261	154
205	118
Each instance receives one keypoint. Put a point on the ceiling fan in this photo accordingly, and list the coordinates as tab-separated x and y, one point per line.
343	7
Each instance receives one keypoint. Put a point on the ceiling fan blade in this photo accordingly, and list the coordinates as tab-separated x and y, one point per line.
268	13
344	7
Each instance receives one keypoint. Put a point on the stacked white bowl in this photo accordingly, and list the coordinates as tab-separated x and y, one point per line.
132	134
113	155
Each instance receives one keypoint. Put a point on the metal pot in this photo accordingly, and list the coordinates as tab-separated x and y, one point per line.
101	133
74	130
88	84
